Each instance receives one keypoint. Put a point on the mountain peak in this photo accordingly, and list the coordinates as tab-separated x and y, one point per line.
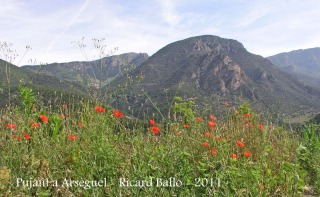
205	44
214	68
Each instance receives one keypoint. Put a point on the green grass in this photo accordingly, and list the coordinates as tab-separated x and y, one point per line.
106	148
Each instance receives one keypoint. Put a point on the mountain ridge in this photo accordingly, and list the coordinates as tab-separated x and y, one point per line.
302	63
11	77
90	72
214	68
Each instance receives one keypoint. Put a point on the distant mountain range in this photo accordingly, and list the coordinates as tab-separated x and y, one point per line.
43	85
305	64
207	69
90	73
212	70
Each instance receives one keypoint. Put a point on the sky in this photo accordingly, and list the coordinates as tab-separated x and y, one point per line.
54	28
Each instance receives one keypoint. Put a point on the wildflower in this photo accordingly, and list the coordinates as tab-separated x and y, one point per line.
117	113
152	122
73	137
80	124
99	109
240	144
64	106
247	115
44	118
251	125
178	134
62	116
247	154
218	138
207	134
213	151
234	156
226	104
11	126
18	138
224	139
261	127
155	130
35	124
211	123
26	136
212	117
205	144
199	119
186	126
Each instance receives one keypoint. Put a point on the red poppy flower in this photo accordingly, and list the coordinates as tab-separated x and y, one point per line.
218	138
247	154
213	151
16	137
246	115
234	156
26	136
35	125
207	134
211	123
72	137
226	104
261	127
44	118
11	126
80	124
178	134
240	144
212	117
117	113
199	119
62	116
186	126
155	130
99	109
205	144
64	106
251	125
152	122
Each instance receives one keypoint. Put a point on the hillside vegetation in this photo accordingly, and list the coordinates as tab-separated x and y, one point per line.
46	86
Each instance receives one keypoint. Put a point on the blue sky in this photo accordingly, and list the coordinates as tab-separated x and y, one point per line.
264	27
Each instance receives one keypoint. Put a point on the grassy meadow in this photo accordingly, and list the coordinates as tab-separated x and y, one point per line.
86	148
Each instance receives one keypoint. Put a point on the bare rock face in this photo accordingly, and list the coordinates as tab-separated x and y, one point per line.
217	74
213	70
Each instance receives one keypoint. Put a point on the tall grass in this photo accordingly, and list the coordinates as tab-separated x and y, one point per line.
234	155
